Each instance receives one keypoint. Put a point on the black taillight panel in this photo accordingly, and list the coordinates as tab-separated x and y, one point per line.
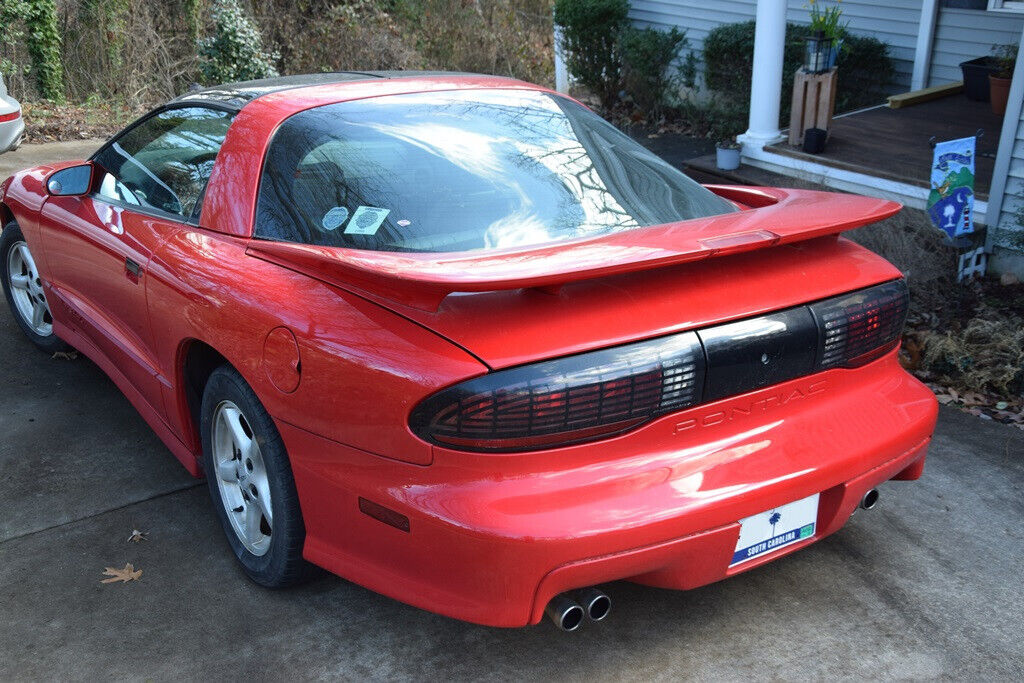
598	394
861	326
758	352
566	400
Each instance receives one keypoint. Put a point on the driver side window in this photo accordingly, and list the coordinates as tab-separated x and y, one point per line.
165	162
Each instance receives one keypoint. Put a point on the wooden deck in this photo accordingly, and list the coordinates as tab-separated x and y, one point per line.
893	143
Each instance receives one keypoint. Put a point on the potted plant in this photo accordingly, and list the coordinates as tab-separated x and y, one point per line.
826	37
1005	57
727	153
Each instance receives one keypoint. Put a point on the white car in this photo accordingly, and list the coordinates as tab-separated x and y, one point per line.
12	125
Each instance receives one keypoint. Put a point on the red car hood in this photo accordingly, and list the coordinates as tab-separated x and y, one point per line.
615	288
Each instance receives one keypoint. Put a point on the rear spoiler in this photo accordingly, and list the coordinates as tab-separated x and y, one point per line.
769	217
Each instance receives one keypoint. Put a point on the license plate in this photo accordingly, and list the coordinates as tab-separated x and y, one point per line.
773	529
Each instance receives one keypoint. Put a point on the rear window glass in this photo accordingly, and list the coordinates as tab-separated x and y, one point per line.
463	171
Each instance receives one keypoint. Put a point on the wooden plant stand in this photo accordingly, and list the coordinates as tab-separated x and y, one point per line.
814	102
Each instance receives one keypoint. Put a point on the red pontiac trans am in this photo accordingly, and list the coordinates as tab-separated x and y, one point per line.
457	339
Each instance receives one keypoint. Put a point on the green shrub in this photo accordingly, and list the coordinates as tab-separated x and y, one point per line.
235	51
12	19
43	42
865	68
591	32
647	60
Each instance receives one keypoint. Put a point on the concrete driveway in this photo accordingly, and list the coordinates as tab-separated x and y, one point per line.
928	585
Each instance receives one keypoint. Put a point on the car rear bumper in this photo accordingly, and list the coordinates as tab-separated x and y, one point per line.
492	538
10	134
10	131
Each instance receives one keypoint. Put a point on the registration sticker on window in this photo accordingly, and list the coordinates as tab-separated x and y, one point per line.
334	218
772	529
366	220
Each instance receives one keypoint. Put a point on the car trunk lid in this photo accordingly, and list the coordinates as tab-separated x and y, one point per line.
513	307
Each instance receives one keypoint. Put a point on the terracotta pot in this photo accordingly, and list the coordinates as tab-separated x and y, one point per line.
999	88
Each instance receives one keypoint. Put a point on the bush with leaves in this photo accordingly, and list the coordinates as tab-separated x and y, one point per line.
648	74
12	18
591	33
866	71
42	41
235	51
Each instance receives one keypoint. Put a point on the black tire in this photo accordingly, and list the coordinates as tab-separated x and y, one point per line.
281	565
50	343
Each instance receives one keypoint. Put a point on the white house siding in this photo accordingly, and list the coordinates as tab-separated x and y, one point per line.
894	22
962	34
959	34
1013	193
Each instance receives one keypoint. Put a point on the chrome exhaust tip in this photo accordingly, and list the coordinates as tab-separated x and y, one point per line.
595	603
565	612
869	500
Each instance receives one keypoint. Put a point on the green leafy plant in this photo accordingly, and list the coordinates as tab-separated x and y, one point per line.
1005	58
867	69
591	41
44	47
826	19
648	73
12	17
235	50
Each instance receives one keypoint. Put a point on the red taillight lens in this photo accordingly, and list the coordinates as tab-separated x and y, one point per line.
857	328
568	400
4	118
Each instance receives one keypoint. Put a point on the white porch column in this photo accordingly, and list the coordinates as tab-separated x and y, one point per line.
561	70
766	79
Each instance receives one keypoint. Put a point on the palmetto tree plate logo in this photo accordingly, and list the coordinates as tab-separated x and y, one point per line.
774	519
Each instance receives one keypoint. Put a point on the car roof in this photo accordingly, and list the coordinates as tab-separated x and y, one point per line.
237	95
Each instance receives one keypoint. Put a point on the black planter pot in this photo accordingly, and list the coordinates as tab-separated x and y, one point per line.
814	140
976	72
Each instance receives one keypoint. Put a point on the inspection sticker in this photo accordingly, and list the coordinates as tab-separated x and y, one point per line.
776	528
334	218
366	220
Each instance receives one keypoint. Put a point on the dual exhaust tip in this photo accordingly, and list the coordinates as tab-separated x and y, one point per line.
567	611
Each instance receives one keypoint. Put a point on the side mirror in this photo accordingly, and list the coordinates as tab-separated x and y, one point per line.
70	181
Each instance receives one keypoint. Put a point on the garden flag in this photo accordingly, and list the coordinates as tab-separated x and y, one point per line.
951	200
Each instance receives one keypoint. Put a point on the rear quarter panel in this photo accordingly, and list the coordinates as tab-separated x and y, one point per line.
362	366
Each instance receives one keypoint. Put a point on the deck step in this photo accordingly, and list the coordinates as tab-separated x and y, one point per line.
908	99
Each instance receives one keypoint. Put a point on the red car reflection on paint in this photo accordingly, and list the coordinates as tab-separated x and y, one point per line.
458	340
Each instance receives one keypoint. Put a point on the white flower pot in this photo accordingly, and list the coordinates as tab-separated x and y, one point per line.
727	159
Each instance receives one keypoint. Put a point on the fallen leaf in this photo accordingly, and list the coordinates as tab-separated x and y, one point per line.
945	399
129	573
65	355
137	536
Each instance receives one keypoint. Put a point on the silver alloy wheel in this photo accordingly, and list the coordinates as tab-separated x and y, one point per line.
27	290
242	478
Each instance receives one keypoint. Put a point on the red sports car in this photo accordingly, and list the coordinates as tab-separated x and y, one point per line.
457	339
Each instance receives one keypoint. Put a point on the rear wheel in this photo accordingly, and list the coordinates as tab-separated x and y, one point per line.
23	288
250	482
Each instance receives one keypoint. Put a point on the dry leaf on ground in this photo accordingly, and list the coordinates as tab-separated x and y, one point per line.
128	573
65	355
137	536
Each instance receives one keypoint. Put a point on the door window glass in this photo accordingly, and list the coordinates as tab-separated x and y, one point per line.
165	162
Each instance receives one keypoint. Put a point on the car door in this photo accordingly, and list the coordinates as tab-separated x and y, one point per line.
147	184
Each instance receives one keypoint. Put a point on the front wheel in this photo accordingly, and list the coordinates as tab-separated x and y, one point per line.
23	288
250	482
